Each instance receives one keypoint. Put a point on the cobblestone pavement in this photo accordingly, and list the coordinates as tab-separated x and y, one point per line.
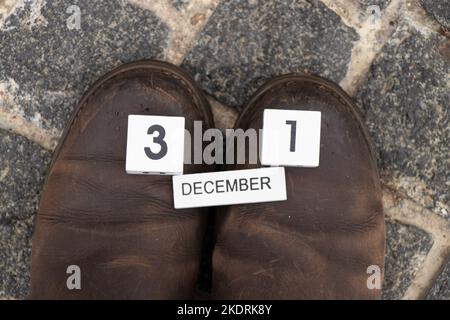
394	61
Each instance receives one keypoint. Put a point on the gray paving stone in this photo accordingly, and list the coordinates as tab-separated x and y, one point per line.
441	289
439	9
22	173
246	43
405	251
406	104
53	65
15	252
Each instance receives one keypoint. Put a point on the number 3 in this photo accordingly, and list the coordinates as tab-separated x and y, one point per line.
159	140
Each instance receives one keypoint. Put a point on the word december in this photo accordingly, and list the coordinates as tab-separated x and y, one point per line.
222	186
229	187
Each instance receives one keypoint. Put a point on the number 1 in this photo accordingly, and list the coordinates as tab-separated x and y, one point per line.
293	125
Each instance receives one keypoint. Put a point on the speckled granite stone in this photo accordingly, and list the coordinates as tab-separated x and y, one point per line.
439	10
406	105
246	43
441	289
15	252
52	65
405	251
23	169
22	173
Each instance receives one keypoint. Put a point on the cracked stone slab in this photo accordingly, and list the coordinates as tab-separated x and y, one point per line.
406	250
22	173
439	10
246	43
406	104
15	255
441	289
53	65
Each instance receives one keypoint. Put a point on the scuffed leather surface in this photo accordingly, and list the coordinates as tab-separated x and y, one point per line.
121	230
319	243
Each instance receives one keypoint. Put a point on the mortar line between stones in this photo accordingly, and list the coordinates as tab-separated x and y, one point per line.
349	11
405	211
424	279
415	215
224	116
15	123
373	37
422	20
184	25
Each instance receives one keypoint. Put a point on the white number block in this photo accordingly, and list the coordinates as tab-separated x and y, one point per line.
229	187
155	145
291	138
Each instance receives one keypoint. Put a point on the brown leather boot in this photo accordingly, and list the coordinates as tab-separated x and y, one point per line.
121	230
320	243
